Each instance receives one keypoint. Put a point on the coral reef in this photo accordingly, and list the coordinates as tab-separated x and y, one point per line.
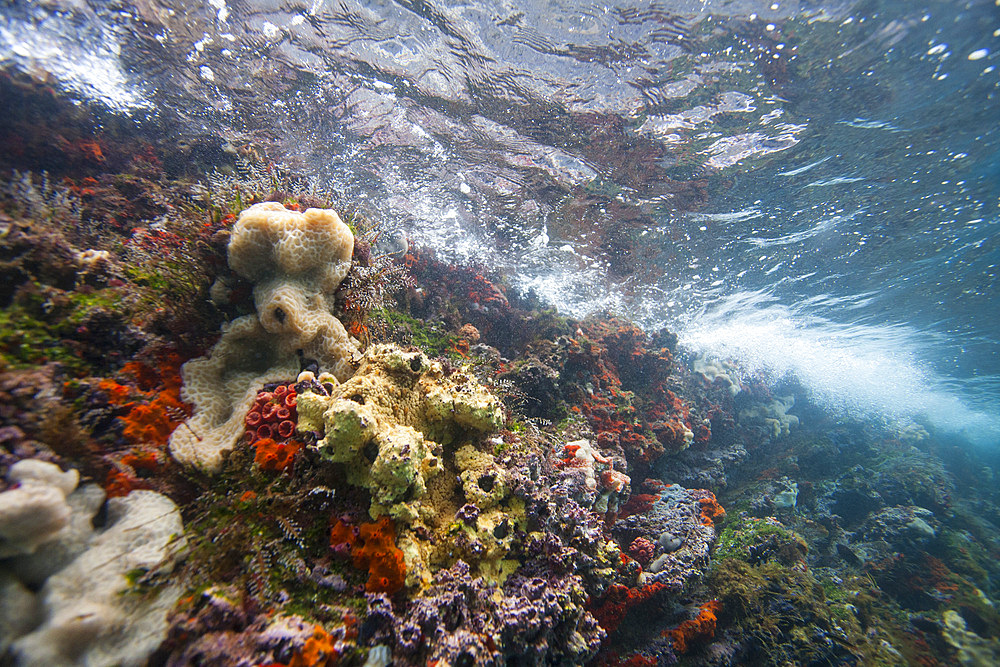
461	620
374	469
396	426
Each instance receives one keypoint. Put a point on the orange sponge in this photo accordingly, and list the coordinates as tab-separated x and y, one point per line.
374	549
697	629
275	456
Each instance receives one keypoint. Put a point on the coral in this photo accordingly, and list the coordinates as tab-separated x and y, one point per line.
391	425
719	373
214	629
774	415
698	629
275	456
152	399
711	511
296	262
612	609
274	409
53	549
469	333
319	651
90	612
642	550
377	552
35	510
152	423
674	523
973	650
613	375
462	620
484	483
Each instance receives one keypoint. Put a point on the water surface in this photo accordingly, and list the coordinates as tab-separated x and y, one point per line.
809	188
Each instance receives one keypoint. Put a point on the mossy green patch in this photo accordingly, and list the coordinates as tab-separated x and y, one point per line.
754	540
430	337
784	617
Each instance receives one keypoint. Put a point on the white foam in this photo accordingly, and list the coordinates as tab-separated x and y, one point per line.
90	67
861	371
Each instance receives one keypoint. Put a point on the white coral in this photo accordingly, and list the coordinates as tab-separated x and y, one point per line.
88	615
36	509
297	261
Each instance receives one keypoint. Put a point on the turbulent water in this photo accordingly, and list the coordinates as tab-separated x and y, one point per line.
808	188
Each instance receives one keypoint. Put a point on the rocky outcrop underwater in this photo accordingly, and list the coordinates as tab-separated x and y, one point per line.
239	427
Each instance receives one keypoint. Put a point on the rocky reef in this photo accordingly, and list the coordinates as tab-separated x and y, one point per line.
235	432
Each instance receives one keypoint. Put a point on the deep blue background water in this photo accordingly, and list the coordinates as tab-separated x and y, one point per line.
844	232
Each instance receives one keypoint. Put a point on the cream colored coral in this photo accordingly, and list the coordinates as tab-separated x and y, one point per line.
297	261
483	481
36	510
401	406
88	616
270	240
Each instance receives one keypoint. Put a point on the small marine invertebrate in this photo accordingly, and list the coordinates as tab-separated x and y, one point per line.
460	619
370	285
468	514
582	454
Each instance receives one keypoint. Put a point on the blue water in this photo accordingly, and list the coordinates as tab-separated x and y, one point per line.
808	188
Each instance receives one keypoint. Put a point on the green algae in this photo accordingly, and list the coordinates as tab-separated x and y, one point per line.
431	338
786	616
41	325
752	540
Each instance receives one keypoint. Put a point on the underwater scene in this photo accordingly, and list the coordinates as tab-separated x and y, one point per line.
530	332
